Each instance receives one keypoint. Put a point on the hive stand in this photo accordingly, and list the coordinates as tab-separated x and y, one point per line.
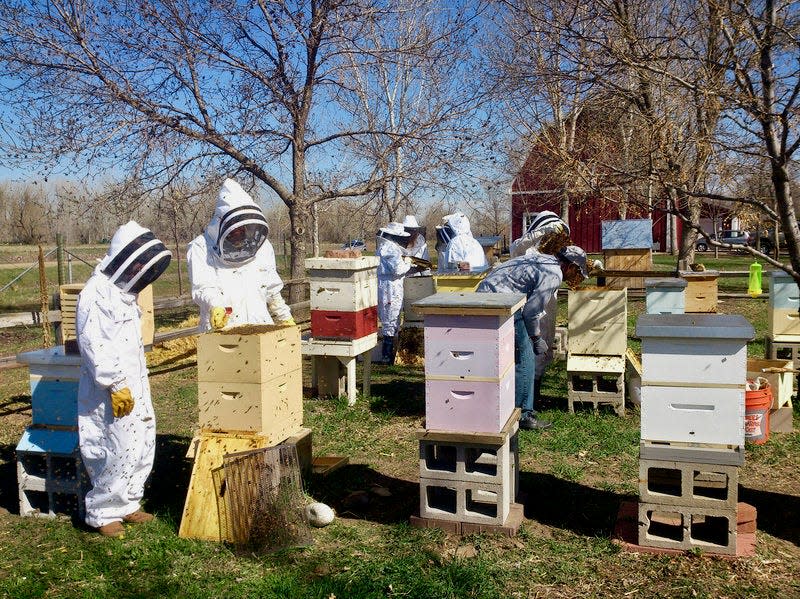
598	341
334	365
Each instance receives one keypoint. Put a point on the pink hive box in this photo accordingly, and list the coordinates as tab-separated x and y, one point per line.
468	347
468	405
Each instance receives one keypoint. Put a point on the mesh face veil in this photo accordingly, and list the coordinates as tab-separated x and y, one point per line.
139	263
242	232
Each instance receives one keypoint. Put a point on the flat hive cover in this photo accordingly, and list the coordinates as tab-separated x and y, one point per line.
699	326
491	303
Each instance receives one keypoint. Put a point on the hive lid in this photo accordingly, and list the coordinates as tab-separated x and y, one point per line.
669	283
362	263
703	275
699	326
780	274
470	302
49	355
43	440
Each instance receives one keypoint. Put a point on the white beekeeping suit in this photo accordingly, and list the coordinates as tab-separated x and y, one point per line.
417	246
232	265
117	451
461	245
392	268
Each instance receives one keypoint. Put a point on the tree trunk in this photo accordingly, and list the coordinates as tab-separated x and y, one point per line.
299	217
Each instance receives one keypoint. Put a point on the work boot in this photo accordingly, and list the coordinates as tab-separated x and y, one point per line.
387	351
138	517
529	423
112	529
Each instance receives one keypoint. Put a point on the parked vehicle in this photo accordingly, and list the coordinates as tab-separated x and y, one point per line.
355	244
731	237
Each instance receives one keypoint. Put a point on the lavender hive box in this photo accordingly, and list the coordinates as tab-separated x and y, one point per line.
468	405
468	346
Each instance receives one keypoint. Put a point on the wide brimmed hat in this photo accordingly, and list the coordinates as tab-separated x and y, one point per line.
410	222
394	229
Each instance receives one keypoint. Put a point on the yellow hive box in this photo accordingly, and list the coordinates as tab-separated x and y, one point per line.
248	354
457	281
783	321
274	409
68	298
598	322
701	291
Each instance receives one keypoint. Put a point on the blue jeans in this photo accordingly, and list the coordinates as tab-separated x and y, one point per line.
524	366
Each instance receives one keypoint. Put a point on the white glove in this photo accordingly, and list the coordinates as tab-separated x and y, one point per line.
407	260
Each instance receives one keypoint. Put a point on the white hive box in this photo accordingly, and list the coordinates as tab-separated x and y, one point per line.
343	284
598	322
250	379
693	377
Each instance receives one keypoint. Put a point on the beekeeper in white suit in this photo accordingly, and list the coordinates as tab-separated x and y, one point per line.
393	266
462	251
417	245
232	266
116	422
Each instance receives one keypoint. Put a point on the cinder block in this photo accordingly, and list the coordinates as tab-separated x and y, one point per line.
688	483
248	354
688	527
783	349
560	343
479	503
274	408
598	321
51	484
469	462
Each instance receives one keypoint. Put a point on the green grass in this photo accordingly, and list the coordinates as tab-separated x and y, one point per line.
573	478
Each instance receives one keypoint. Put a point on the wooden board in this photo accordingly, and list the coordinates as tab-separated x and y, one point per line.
629	261
200	516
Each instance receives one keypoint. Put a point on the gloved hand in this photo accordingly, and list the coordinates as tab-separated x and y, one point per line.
219	317
539	345
288	323
121	402
407	260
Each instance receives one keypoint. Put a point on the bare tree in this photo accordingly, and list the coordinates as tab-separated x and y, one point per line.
248	88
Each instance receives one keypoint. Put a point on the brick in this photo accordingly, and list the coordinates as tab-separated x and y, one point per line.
248	354
693	484
704	528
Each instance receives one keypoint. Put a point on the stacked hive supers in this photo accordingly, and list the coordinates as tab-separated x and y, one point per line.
50	473
468	450
598	339
250	396
344	320
692	438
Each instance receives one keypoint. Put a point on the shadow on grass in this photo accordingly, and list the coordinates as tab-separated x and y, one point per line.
565	504
358	491
21	403
398	397
777	514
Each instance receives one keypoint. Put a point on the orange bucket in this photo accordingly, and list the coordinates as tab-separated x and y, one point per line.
756	415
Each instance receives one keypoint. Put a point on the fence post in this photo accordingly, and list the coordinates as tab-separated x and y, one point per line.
60	258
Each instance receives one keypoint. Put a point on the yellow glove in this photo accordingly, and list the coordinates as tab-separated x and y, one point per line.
288	323
219	317
121	402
